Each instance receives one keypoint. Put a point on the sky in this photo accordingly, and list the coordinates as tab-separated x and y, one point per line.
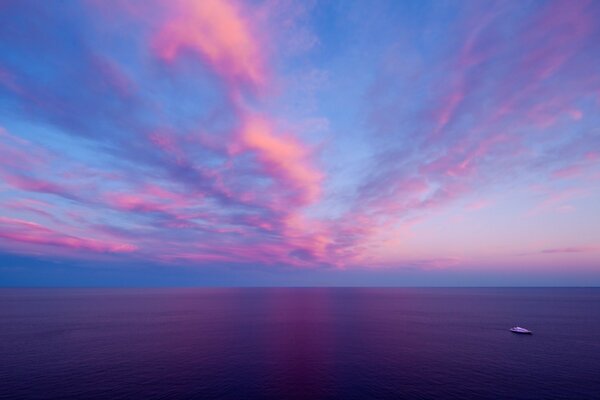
299	143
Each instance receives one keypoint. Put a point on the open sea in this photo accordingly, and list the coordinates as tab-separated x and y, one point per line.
305	343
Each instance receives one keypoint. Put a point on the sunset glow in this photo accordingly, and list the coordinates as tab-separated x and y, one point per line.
422	140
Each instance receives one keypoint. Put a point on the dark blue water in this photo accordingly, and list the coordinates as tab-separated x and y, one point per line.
299	343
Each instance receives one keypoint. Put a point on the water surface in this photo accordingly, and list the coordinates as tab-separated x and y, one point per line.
299	343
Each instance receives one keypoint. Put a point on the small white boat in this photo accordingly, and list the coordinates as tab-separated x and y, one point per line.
518	329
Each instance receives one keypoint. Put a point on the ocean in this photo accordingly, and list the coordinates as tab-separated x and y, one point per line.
299	343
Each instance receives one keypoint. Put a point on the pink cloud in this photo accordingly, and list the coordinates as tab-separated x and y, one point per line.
479	204
576	114
40	208
114	76
438	263
592	156
461	159
567	172
568	23
131	202
33	184
167	143
9	81
283	157
18	153
220	32
446	111
27	232
557	200
153	198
